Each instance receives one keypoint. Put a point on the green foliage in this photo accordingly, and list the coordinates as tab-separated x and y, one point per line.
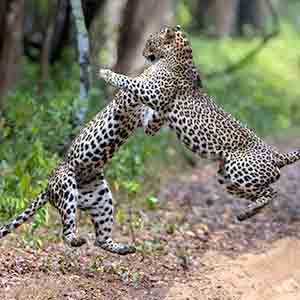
128	166
265	93
152	202
33	130
170	228
183	14
150	247
127	172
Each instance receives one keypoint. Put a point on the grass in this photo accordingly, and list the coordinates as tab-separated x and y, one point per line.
265	93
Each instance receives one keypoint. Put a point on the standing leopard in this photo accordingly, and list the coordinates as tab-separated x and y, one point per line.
247	165
78	181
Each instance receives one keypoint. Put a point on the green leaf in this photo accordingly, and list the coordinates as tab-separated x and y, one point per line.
152	202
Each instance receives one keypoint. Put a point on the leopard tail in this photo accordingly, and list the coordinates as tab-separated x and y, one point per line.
288	158
40	201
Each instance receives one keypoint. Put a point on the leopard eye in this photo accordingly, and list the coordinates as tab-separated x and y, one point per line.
151	57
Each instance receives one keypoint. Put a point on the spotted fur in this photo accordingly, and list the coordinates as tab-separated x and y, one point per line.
247	165
78	181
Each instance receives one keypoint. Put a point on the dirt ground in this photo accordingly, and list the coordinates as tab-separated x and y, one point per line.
193	249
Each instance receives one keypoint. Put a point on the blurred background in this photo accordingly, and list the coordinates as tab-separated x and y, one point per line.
248	53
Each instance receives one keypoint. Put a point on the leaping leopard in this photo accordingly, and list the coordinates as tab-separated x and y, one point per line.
247	165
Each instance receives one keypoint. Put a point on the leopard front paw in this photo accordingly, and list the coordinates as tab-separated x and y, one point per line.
105	74
117	248
126	249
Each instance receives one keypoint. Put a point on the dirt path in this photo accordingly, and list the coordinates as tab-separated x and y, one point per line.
272	275
191	248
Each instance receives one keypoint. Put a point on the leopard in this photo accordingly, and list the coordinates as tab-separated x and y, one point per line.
78	182
247	166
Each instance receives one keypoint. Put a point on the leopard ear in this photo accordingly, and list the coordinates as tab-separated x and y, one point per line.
169	33
177	28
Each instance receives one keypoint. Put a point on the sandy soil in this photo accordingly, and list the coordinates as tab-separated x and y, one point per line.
272	275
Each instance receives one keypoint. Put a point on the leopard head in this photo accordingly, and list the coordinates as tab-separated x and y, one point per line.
168	43
172	45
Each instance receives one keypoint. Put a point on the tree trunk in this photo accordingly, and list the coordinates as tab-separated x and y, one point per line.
253	13
97	36
61	28
113	12
199	10
140	19
11	22
45	55
46	45
221	17
84	53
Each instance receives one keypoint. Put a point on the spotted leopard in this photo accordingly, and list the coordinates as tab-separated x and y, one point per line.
78	181
247	165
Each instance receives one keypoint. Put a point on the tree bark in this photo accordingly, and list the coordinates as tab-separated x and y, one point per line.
96	29
45	55
35	27
11	21
221	17
61	28
140	19
47	44
199	10
253	13
84	52
113	12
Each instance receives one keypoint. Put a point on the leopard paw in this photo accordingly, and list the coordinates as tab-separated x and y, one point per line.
104	74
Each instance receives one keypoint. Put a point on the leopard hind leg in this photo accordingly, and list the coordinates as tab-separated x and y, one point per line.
262	199
96	199
64	196
249	176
